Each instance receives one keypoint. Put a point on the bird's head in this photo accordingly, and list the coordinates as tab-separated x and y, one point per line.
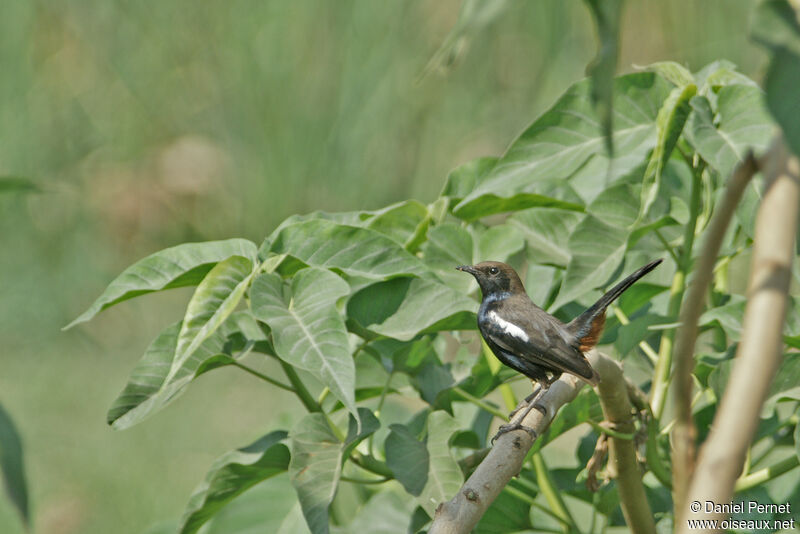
494	277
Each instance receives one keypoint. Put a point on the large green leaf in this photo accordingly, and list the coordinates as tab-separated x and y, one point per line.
307	330
232	474
607	15
741	123
356	251
464	178
270	506
180	266
316	463
408	459
149	390
545	231
776	26
565	145
444	475
403	308
387	512
213	301
405	222
597	244
498	243
508	513
12	467
671	119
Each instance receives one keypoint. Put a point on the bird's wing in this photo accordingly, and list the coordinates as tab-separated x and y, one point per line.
531	333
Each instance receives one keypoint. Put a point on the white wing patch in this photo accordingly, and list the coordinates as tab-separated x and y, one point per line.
509	328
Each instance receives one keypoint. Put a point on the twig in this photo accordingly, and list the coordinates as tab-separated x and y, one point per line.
504	461
759	353
684	433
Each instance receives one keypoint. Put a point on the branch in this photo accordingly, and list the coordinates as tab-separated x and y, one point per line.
622	462
759	353
684	433
504	461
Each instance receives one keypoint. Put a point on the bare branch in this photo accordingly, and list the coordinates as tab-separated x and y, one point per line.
504	461
759	353
684	433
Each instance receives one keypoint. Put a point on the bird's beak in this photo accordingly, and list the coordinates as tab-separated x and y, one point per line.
467	269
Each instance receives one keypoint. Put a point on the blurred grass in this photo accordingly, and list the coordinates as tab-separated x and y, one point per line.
147	124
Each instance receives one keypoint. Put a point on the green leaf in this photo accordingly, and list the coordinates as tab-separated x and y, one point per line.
148	389
401	308
17	184
213	301
776	26
12	466
781	83
508	513
670	122
448	246
718	73
544	230
784	386
307	330
387	512
464	178
607	15
356	251
270	506
742	124
675	73
565	146
444	475
233	474
498	243
596	247
316	463
408	459
180	266
405	222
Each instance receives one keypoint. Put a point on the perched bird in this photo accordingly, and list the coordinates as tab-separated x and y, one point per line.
528	339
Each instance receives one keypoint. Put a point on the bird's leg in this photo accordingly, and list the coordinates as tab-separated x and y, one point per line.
516	423
527	400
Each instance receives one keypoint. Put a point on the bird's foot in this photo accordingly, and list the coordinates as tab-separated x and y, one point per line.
514	426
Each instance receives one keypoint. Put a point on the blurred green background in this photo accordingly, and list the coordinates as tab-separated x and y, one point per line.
147	124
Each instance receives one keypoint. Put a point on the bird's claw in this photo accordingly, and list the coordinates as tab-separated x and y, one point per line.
514	426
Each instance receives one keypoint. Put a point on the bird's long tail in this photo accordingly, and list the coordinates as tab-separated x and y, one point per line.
588	326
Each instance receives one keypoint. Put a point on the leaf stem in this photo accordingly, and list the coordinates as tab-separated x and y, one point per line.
610	431
480	403
756	478
661	376
670	250
263	377
299	388
550	492
371	464
364	480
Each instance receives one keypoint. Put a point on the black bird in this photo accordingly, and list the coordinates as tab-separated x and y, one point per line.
531	341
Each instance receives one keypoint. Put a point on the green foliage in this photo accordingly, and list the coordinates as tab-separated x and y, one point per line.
366	306
12	466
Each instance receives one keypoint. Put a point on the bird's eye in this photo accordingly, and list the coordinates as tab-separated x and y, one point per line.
494	270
